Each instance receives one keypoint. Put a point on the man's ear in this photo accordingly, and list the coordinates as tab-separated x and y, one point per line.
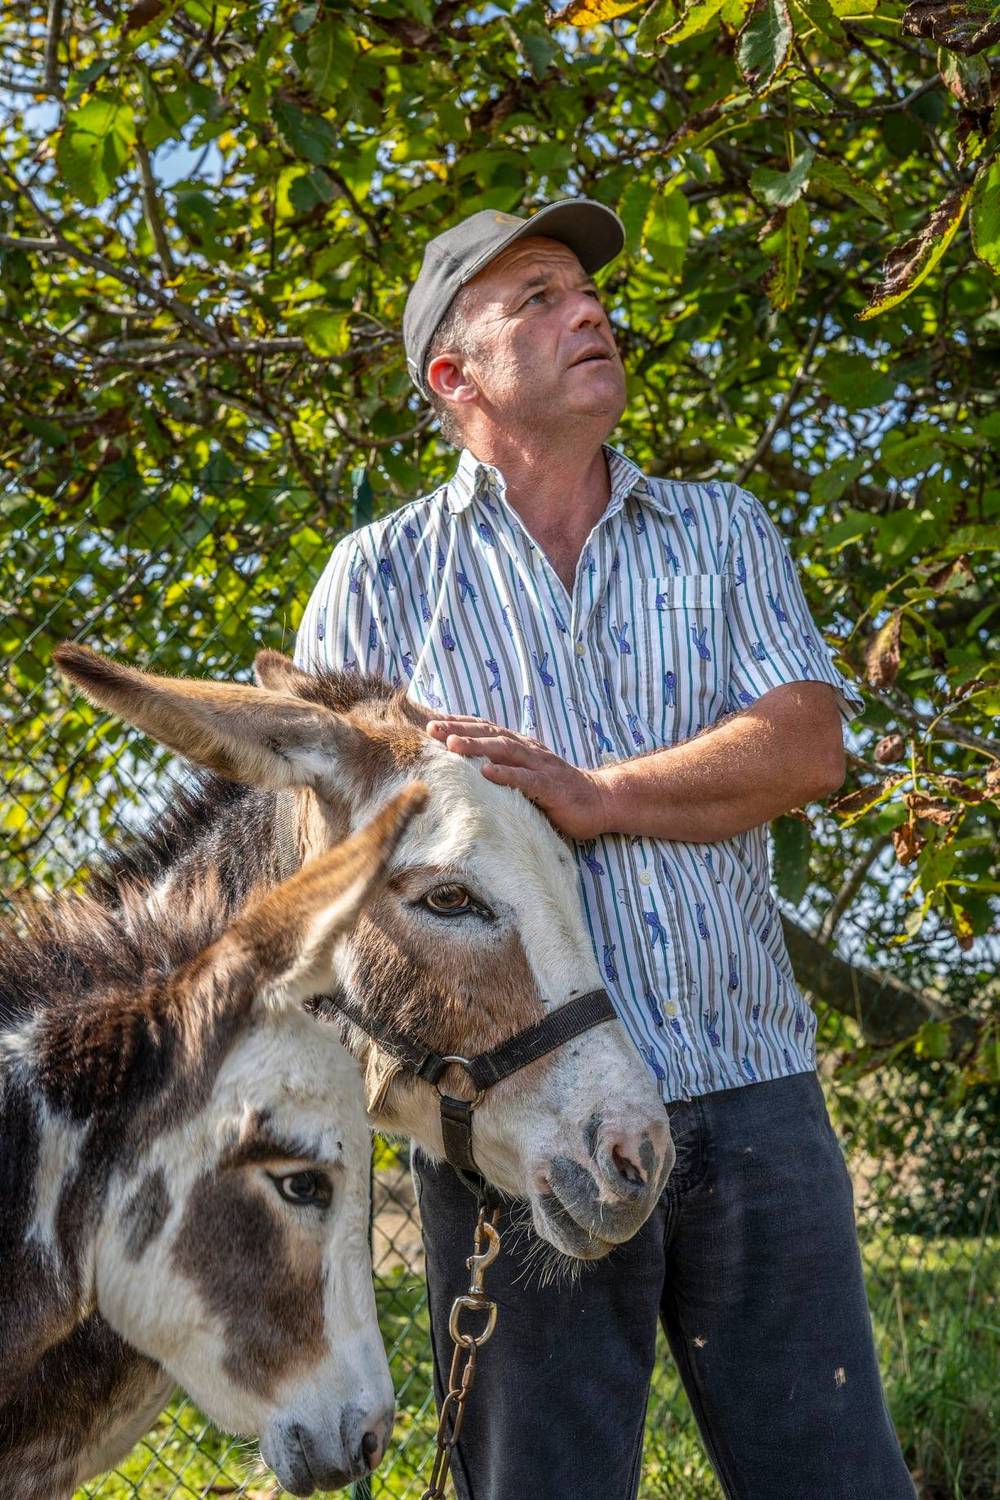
262	738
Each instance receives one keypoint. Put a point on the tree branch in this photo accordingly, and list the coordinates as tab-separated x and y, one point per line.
853	882
151	206
886	1009
60	245
53	36
895	701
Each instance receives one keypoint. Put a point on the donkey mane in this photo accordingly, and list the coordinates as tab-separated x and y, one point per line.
216	836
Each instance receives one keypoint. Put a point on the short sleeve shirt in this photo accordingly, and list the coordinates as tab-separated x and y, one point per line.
686	607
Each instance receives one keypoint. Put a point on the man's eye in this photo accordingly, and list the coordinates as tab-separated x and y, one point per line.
305	1189
448	900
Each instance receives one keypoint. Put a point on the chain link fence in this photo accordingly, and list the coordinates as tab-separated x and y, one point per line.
195	573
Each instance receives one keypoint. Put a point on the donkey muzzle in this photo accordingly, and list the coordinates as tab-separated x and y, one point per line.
306	1459
611	1195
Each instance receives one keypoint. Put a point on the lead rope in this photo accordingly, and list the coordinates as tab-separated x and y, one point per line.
463	1370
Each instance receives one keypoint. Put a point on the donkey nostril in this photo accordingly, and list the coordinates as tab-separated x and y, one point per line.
370	1447
626	1168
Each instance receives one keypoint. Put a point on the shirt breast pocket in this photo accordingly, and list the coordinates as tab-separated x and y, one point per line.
683	646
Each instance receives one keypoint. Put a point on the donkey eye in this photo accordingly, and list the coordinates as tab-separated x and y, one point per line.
305	1189
448	900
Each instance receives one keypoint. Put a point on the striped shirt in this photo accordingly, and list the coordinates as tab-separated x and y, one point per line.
686	606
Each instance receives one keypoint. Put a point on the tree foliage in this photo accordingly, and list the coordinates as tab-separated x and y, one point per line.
211	215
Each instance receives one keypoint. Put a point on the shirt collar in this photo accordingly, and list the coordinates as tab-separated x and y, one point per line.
472	475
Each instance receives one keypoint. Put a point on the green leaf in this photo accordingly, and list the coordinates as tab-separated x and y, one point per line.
304	133
331	52
984	217
667	230
697	17
94	146
971	539
823	17
932	1040
660	15
781	189
764	42
829	486
327	333
855	381
787	245
792	846
539	49
839	179
632	209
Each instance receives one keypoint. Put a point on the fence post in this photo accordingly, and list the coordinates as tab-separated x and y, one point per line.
363	1489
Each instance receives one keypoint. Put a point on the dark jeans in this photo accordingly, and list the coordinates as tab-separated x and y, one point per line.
750	1260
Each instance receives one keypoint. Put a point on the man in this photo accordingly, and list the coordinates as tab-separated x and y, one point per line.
637	657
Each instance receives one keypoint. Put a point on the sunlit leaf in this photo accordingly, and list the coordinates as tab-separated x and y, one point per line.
910	263
94	146
594	12
984	215
781	189
764	42
698	15
786	244
839	179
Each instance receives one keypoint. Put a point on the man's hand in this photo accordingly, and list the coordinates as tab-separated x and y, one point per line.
572	799
781	752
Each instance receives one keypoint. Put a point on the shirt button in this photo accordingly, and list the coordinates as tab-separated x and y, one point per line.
671	1009
609	758
581	649
645	878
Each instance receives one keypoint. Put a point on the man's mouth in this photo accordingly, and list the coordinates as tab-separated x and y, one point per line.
591	356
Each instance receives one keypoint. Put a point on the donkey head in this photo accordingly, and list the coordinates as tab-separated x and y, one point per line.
232	1241
476	933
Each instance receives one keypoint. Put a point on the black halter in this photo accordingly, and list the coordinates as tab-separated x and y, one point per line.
567	1021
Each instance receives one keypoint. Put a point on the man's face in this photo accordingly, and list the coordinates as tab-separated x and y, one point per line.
533	312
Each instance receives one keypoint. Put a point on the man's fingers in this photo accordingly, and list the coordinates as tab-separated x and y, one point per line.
462	723
523	778
508	750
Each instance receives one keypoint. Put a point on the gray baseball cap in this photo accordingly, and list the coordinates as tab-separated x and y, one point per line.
592	231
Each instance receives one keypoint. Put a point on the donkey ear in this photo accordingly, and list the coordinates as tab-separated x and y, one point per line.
265	739
279	674
291	933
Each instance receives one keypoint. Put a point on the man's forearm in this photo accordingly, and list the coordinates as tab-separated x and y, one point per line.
785	750
743	771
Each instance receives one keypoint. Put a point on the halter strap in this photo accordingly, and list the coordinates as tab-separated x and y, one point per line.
569	1020
487	1068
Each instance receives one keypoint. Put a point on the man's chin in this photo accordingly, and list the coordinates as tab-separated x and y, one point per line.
555	1225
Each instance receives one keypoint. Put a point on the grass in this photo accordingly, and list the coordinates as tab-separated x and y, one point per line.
937	1323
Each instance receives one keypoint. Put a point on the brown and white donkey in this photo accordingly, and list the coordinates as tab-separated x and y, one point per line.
184	1149
476	933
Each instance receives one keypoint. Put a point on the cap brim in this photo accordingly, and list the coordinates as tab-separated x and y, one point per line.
592	231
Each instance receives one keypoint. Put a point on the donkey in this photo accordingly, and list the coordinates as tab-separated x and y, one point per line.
476	934
184	1150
